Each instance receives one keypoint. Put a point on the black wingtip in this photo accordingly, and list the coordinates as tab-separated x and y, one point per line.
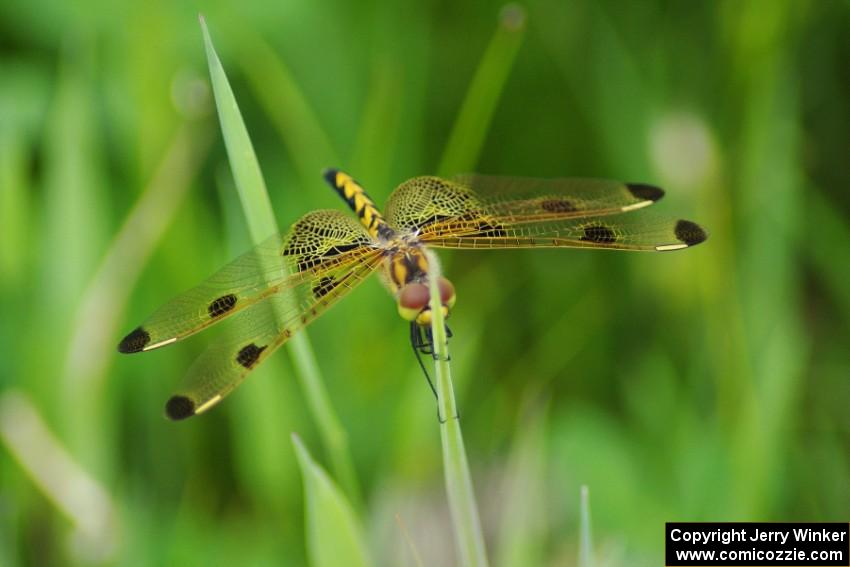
329	174
645	192
179	407
136	341
690	232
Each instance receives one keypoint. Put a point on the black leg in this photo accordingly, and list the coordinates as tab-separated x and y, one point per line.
419	348
427	346
422	341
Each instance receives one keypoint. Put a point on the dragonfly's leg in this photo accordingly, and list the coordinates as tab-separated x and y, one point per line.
423	338
449	335
422	343
429	339
416	341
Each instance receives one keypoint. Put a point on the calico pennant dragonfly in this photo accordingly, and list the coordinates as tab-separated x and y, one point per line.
285	283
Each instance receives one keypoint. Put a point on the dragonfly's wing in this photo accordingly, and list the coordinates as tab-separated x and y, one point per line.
257	332
475	212
424	201
637	231
320	242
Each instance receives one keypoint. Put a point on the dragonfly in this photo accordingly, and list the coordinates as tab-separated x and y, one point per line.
285	283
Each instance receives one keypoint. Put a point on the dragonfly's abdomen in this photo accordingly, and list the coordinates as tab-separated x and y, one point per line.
360	203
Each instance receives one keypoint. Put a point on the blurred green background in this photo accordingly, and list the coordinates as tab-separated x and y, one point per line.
707	385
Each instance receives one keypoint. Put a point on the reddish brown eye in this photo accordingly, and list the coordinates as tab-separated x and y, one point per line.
414	296
447	291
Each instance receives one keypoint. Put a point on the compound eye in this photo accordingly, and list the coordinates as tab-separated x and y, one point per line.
414	296
412	299
447	292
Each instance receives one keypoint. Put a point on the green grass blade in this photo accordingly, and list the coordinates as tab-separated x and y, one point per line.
473	121
14	207
74	183
289	109
261	223
240	151
833	227
467	525
97	320
522	533
585	543
54	469
377	138
269	406
334	536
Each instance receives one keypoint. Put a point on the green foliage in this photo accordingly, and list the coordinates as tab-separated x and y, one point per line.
704	385
334	536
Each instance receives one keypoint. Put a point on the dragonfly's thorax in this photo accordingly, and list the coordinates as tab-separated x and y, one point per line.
405	264
406	267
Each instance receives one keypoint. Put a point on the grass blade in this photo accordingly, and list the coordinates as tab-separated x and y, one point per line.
59	476
467	525
585	542
240	151
334	536
289	109
414	553
522	534
261	223
834	228
14	207
473	121
101	305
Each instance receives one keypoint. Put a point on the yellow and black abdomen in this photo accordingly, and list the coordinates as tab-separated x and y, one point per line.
360	203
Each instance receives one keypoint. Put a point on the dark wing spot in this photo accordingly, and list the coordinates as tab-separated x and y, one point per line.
558	206
136	341
324	286
248	356
222	305
599	233
179	407
690	232
645	192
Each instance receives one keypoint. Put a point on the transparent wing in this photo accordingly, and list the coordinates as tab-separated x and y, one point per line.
635	231
424	201
318	243
256	333
569	213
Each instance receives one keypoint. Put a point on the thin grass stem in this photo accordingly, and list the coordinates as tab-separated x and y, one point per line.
585	544
465	520
473	120
261	223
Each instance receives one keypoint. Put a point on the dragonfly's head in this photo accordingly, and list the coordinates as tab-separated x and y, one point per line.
414	298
